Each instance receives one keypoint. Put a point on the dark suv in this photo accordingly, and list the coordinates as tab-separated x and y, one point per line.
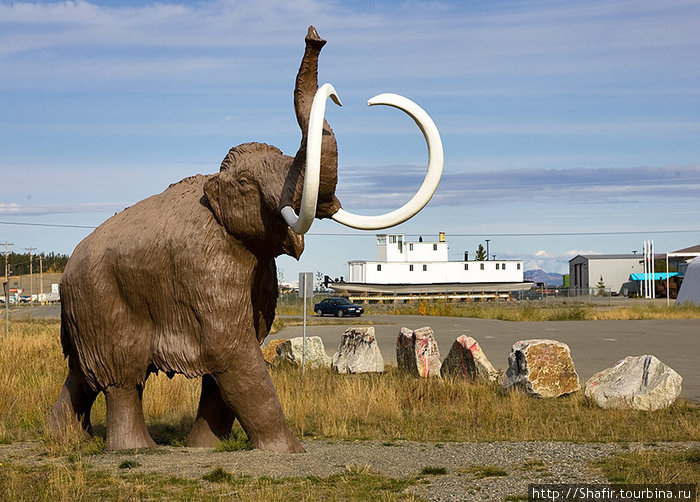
338	307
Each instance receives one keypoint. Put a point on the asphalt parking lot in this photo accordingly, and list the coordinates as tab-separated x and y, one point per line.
595	345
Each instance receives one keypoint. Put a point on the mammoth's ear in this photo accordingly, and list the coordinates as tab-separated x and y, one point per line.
211	190
293	244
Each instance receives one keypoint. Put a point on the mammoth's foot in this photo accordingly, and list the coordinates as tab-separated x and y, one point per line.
126	427
72	409
214	417
248	391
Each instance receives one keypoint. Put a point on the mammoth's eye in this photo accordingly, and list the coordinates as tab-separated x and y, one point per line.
243	182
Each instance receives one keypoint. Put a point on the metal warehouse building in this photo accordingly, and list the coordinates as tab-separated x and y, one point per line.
586	270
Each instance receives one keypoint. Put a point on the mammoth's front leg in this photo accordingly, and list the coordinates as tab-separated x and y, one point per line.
247	388
126	427
214	417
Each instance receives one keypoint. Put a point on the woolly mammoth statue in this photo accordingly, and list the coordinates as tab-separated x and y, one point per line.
185	281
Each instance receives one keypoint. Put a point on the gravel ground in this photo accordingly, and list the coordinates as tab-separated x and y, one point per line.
523	462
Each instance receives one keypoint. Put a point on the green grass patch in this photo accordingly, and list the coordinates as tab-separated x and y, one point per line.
129	464
237	441
218	475
650	466
51	482
433	471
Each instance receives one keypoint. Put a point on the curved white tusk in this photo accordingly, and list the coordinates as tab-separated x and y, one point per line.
432	176
314	137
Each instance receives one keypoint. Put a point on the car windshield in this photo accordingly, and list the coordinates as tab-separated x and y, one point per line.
343	301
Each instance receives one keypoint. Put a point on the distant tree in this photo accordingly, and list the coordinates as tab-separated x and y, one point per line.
319	281
480	253
600	287
19	263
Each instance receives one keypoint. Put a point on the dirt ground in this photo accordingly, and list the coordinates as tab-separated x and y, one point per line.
521	463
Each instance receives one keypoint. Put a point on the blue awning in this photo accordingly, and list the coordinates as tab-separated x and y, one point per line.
658	276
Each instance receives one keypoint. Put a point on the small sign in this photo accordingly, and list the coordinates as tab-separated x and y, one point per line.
306	284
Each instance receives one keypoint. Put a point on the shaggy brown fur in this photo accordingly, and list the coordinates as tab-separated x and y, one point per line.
185	282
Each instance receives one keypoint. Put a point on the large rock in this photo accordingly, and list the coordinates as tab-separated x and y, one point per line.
270	354
636	382
543	368
417	352
358	352
466	359
291	351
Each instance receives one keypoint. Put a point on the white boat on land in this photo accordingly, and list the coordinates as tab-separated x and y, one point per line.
406	269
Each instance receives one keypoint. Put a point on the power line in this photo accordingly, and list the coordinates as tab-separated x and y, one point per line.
528	234
45	224
415	234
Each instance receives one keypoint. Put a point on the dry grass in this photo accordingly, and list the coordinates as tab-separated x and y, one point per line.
396	406
683	311
322	404
539	311
522	311
319	404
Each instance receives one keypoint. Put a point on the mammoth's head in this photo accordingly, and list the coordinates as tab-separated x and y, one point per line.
259	191
246	197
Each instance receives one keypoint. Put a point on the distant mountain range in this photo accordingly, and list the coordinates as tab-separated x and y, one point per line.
540	275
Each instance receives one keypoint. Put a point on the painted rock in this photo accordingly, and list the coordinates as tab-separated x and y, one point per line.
417	352
466	359
543	368
636	382
270	354
358	352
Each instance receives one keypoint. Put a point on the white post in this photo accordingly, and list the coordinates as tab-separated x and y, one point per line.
668	294
306	288
653	272
644	252
303	339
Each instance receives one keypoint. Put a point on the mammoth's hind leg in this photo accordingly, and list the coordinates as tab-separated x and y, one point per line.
214	417
126	427
72	408
247	388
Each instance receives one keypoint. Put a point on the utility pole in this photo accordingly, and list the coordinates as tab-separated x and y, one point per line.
487	248
41	279
7	292
31	289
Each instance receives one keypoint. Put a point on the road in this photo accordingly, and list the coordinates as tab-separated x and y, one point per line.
595	345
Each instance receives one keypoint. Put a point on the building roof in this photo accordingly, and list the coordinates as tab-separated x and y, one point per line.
608	256
690	250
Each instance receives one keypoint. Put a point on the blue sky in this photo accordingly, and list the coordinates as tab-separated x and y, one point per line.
556	117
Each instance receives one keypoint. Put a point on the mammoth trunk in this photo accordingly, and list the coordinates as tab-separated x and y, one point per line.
304	92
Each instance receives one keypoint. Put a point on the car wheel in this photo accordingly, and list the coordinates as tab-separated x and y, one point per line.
319	313
339	313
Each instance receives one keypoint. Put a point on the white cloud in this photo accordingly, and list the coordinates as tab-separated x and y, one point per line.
390	185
